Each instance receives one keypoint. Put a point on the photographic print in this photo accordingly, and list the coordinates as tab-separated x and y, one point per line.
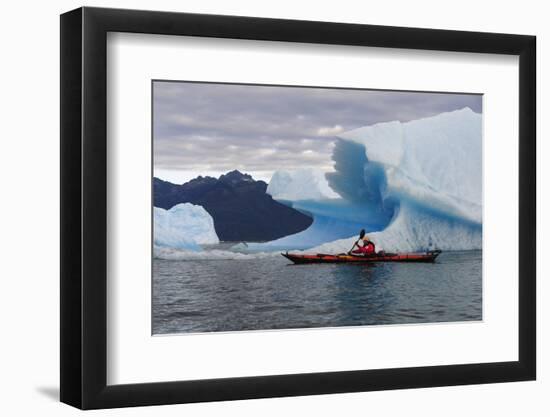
290	207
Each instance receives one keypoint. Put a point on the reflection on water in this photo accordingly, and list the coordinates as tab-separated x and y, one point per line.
255	294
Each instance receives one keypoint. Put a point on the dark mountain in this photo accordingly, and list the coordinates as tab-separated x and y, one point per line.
239	205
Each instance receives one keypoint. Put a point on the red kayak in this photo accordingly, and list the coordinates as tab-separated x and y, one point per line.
379	257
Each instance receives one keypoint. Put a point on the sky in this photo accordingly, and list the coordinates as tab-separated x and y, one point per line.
209	129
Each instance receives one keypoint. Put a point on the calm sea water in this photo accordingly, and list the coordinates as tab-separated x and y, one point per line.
255	294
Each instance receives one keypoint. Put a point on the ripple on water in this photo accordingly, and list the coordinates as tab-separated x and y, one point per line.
256	294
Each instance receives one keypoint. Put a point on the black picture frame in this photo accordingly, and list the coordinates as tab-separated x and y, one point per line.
84	207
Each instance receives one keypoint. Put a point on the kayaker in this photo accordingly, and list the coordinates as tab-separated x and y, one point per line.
367	247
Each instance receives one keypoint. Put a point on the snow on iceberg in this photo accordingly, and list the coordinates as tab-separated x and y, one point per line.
412	186
301	184
184	226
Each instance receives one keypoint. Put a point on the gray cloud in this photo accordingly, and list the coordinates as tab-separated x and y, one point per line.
220	127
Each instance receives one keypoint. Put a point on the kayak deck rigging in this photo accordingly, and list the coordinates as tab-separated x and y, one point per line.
428	256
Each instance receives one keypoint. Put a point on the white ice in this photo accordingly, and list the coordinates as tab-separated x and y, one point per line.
434	161
173	254
184	226
300	184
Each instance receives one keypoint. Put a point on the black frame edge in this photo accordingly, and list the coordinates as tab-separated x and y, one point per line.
94	208
83	208
305	31
71	191
231	389
528	206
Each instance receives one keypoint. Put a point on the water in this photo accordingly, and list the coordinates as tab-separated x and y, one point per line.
270	293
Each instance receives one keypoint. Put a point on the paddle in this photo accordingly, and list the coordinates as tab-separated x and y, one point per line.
361	236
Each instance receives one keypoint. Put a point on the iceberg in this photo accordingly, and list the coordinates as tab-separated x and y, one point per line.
412	185
435	162
185	226
300	184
